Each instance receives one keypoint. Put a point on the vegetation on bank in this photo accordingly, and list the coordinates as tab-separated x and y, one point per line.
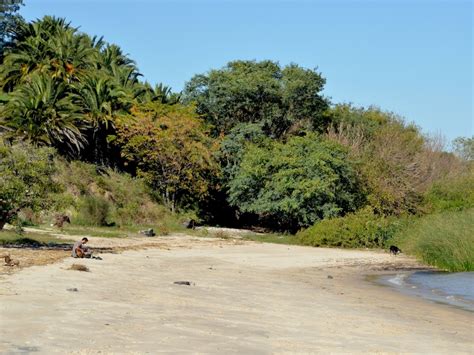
252	143
444	239
29	239
362	229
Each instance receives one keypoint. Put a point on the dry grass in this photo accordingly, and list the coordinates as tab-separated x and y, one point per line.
79	267
31	257
222	235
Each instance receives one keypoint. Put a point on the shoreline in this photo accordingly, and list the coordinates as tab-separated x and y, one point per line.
397	282
247	297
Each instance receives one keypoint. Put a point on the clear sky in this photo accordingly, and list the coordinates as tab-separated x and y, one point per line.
413	57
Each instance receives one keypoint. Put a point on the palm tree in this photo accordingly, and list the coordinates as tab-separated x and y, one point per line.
73	55
111	56
100	99
49	45
160	93
42	112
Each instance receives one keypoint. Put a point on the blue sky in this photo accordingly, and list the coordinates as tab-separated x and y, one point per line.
411	57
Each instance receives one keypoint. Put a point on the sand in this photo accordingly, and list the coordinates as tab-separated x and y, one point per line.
245	297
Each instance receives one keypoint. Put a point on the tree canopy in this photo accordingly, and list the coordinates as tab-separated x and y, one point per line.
170	147
8	20
296	183
281	99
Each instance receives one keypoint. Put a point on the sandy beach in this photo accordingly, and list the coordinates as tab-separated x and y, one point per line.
245	297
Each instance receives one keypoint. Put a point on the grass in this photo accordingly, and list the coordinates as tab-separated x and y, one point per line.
106	232
114	231
8	237
444	240
79	267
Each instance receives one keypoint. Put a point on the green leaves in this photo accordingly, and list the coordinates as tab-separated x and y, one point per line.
362	229
259	92
295	183
25	179
170	146
42	112
65	89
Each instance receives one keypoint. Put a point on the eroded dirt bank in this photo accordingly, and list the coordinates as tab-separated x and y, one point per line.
247	298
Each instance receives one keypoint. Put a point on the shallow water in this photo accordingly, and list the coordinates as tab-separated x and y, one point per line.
455	288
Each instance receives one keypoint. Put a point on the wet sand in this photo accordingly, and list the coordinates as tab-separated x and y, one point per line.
246	298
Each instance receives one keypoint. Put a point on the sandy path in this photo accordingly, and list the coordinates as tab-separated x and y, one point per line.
247	298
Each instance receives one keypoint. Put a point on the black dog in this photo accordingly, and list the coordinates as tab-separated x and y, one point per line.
394	250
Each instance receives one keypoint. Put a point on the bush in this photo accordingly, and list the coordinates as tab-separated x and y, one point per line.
296	183
25	180
395	161
128	199
93	211
362	229
444	240
453	194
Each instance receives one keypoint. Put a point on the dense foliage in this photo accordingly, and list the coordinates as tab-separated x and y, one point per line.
452	194
362	229
295	183
8	19
25	180
65	89
395	161
252	143
171	150
281	99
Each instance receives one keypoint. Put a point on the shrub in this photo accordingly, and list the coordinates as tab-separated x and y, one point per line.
25	180
452	194
129	201
445	240
94	211
296	183
395	161
362	229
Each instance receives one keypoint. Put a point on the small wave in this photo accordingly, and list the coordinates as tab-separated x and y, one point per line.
398	280
452	288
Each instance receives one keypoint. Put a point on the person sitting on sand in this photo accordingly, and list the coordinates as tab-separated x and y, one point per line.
80	250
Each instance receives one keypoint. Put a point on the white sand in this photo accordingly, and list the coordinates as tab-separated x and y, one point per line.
248	298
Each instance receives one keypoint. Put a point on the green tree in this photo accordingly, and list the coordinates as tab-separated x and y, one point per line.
295	184
52	68
42	113
8	20
25	180
49	46
259	92
100	99
234	145
396	163
170	146
463	147
160	93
